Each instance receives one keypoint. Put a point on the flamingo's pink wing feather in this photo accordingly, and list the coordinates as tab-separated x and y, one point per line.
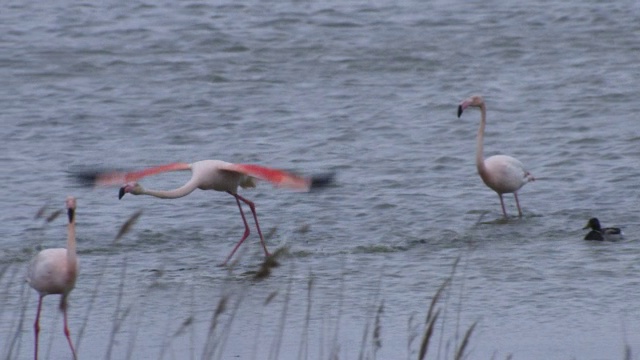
117	178
277	177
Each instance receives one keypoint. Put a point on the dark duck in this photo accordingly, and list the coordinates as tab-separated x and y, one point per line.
599	233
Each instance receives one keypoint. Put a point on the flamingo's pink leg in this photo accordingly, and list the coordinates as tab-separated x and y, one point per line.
504	212
252	206
67	333
515	194
246	230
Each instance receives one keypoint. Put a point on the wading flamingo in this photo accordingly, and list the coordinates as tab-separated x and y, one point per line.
211	175
501	173
54	271
601	234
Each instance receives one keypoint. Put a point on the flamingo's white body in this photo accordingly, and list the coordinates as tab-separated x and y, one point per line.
501	173
54	271
212	175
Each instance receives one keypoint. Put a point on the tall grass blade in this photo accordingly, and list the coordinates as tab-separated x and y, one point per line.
209	345
377	330
424	345
118	318
126	227
92	300
465	341
274	353
303	352
18	335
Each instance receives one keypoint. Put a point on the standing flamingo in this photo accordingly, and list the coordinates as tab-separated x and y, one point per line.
501	173
211	175
54	271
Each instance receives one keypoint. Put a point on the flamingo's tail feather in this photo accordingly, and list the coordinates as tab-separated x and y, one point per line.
529	176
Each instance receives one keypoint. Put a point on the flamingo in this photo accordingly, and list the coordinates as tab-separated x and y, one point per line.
211	175
501	173
54	271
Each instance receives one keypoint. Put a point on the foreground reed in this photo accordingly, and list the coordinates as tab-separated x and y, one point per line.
268	311
126	334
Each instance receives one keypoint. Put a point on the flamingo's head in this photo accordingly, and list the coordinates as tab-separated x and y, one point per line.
131	188
474	101
71	207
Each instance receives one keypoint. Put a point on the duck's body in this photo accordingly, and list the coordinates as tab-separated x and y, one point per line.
598	233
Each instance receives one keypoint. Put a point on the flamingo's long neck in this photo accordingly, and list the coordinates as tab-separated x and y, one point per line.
72	258
184	190
479	147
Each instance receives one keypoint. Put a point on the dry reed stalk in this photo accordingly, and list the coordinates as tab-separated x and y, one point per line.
265	303
424	345
269	263
24	295
117	316
166	341
627	352
274	352
132	340
465	341
53	216
335	346
376	340
126	227
209	347
94	295
40	212
226	330
303	352
377	330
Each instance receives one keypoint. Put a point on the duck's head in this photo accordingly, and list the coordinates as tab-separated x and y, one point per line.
593	224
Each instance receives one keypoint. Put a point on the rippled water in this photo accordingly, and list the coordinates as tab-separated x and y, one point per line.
368	90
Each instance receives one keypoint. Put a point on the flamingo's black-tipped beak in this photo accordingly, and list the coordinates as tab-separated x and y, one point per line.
121	193
322	180
460	110
71	213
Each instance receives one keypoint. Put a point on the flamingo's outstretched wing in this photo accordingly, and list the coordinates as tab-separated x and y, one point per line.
117	178
281	178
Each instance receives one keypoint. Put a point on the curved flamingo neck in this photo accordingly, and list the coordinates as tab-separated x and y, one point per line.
184	190
479	146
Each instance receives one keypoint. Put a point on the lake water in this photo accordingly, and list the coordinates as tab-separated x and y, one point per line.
368	89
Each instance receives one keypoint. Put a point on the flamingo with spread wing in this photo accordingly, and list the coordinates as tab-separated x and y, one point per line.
212	175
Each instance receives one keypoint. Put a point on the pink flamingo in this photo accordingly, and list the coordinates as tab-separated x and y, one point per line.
54	271
501	173
212	175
